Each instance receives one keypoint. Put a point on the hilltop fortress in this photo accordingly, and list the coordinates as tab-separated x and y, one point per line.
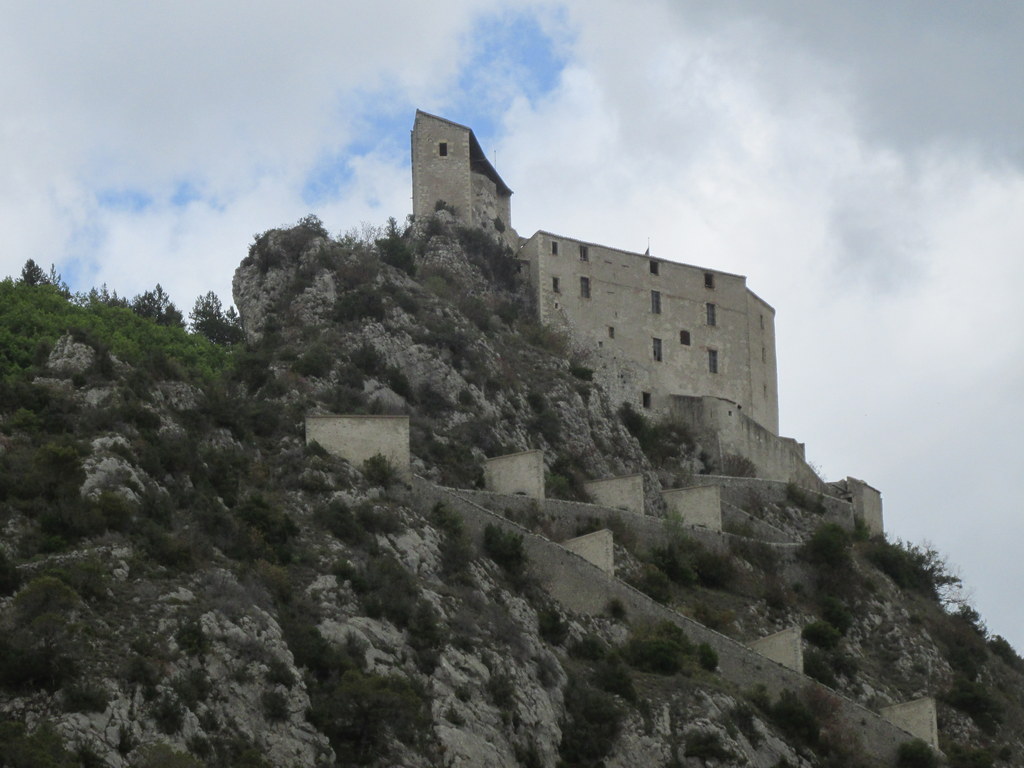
662	336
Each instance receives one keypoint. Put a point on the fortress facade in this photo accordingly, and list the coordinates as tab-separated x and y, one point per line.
656	330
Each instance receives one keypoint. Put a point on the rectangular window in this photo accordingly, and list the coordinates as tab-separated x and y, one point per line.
764	355
765	388
713	360
656	348
654	267
585	287
656	302
554	285
684	337
762	322
709	280
554	247
711	314
645	398
442	149
584	253
611	331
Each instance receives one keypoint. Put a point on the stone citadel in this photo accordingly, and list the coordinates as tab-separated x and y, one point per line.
661	336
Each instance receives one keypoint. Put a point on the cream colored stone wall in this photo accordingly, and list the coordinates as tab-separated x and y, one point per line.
357	438
785	648
867	504
698	506
618	325
723	428
596	548
516	473
916	717
626	492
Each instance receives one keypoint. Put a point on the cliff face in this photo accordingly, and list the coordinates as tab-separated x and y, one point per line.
180	573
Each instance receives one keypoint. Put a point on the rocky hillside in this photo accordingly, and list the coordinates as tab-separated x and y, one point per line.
183	581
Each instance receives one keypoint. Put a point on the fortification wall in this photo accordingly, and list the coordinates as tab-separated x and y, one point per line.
626	492
597	548
785	647
699	506
750	491
358	438
917	717
724	428
583	588
653	325
736	521
517	473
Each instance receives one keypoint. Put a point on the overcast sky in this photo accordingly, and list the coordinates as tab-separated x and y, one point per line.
862	163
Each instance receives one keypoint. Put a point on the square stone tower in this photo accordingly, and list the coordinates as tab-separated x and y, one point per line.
449	165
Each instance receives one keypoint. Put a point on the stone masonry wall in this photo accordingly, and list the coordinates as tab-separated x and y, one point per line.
625	492
358	438
517	473
583	588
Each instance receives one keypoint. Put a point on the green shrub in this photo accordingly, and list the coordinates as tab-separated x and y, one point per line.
661	648
921	569
653	582
551	626
386	589
10	580
339	521
817	666
835	613
795	719
168	713
279	673
916	754
360	712
613	676
85	697
505	548
191	638
275	706
589	647
42	748
828	548
706	745
591	725
822	634
379	471
706	657
975	700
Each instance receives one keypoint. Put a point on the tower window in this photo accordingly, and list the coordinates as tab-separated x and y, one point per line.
611	331
645	398
554	247
654	267
709	280
585	287
684	337
713	361
764	355
554	285
711	314
656	349
656	302
762	322
584	253
442	149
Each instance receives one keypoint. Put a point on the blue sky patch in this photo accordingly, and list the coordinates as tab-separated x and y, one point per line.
327	178
185	193
130	200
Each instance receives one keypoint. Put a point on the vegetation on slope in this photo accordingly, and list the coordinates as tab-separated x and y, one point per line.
183	581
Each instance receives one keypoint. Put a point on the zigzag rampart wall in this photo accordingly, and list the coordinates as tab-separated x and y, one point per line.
583	588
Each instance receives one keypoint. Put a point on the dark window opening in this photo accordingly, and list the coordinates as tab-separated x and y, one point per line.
711	314
654	267
584	253
554	285
442	149
611	331
762	322
554	247
684	337
709	280
764	355
765	388
585	287
656	302
645	398
656	349
713	361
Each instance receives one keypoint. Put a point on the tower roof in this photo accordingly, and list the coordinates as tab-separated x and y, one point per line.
478	161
